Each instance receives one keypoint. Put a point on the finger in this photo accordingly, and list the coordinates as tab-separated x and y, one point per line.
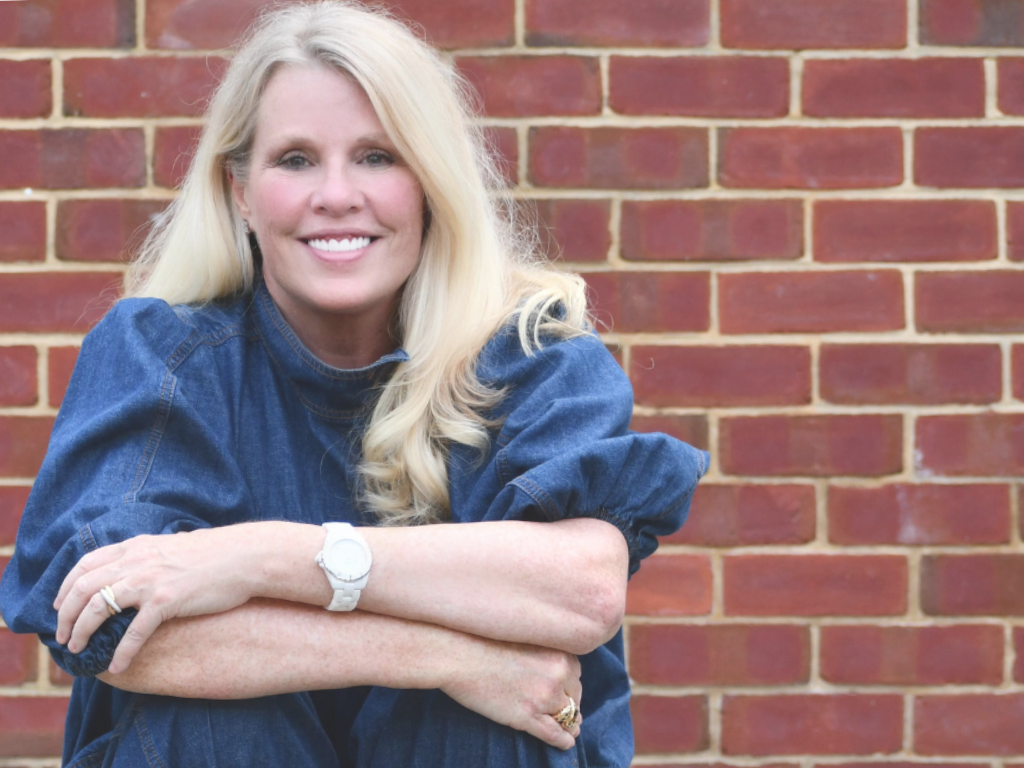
139	631
88	621
547	730
90	562
84	590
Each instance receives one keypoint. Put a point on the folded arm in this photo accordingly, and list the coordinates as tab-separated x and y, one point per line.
557	585
268	647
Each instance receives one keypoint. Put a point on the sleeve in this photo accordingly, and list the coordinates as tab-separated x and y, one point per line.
129	455
565	449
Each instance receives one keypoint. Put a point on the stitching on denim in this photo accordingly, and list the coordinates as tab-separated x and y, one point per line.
196	340
155	435
540	496
89	761
148	747
331	414
86	537
504	470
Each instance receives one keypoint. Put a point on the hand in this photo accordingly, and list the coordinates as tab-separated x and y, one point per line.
167	576
521	686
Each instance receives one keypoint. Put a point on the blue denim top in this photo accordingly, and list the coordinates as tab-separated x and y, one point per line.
179	418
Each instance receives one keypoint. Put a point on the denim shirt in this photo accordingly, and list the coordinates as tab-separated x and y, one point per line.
180	418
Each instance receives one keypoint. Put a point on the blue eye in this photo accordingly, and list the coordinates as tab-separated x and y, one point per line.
378	158
293	162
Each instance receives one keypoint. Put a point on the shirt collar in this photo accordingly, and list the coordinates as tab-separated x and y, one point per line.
334	393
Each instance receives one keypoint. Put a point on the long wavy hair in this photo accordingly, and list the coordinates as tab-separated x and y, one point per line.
478	271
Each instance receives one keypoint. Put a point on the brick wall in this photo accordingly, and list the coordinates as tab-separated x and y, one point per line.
803	221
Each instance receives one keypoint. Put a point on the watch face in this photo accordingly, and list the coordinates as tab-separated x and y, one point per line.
348	560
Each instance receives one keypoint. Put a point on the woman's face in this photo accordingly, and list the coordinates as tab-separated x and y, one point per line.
337	214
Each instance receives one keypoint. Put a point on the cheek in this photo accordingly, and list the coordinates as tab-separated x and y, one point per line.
278	203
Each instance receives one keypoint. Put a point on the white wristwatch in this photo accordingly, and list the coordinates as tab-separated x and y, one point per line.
346	560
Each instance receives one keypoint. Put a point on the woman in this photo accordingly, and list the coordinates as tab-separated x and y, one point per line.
337	322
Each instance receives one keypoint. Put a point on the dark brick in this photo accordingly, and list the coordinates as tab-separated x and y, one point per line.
641	23
25	87
72	158
630	302
517	86
810	158
711	230
904	230
974	157
798	24
748	515
24	231
619	158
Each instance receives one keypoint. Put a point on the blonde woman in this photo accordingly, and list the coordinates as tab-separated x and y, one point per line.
335	341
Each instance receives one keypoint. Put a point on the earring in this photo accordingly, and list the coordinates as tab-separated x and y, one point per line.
246	225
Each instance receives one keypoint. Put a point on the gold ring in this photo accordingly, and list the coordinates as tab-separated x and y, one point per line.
567	717
108	597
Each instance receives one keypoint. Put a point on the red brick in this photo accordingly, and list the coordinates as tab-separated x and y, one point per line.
59	301
904	230
12	504
971	22
1018	646
25	88
671	585
959	655
517	86
18	384
628	302
815	585
1015	230
981	724
721	376
919	514
172	154
619	158
103	230
977	157
812	724
981	445
690	428
670	723
748	515
21	658
705	86
61	364
711	230
504	146
1017	370
1010	79
181	24
810	158
970	302
801	24
142	86
575	230
943	87
641	23
818	446
24	231
72	158
733	654
68	24
32	726
23	442
920	374
59	677
972	585
803	302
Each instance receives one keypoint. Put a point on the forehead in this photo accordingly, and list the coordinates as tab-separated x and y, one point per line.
314	101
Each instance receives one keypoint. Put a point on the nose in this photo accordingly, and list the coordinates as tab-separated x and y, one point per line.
337	191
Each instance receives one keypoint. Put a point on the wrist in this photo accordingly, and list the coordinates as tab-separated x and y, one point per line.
285	553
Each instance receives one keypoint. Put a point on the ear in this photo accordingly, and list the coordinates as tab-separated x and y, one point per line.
238	195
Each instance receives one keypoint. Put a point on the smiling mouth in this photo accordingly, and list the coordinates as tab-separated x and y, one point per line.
342	245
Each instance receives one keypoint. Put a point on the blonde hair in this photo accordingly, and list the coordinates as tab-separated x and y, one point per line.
478	269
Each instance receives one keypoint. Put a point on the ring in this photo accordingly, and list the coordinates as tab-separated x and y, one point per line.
112	607
569	714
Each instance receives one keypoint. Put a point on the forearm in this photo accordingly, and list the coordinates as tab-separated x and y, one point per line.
267	647
558	585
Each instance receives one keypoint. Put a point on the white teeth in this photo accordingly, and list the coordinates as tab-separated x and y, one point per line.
339	246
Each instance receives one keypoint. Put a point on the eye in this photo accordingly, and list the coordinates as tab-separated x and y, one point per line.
378	158
293	161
